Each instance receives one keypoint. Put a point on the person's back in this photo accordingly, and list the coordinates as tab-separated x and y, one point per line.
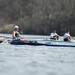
54	36
67	37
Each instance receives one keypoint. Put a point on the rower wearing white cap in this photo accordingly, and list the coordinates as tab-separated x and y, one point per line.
16	33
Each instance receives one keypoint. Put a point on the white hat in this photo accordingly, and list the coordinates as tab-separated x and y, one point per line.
16	27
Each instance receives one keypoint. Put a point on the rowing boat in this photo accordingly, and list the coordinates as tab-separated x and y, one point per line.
24	42
60	43
45	43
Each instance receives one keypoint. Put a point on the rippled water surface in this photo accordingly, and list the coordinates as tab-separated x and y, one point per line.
36	60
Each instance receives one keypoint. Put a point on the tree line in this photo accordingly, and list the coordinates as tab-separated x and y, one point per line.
38	16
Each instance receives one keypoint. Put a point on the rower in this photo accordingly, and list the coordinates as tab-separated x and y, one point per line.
16	33
54	36
67	37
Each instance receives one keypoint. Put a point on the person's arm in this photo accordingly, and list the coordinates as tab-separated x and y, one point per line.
70	37
13	34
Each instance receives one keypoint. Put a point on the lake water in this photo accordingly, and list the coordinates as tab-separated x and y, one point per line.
36	60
